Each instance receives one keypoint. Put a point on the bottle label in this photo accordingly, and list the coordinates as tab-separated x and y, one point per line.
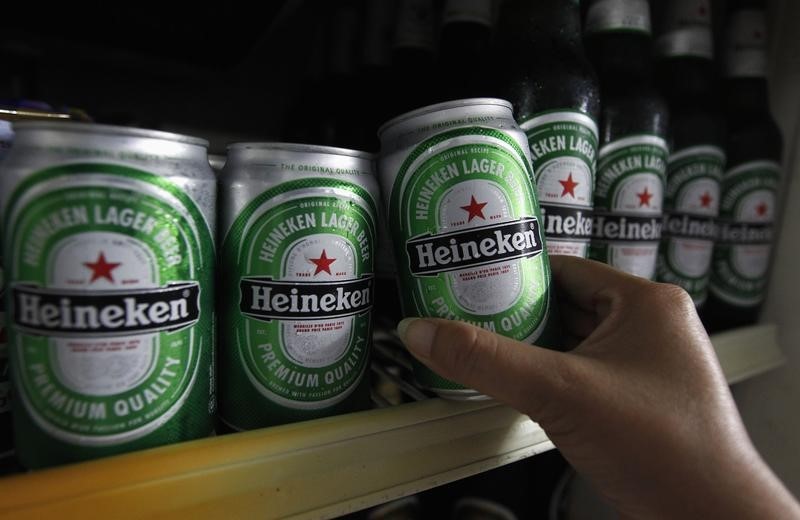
110	274
299	281
415	25
686	29
747	44
628	204
618	15
465	211
474	11
691	204
564	156
745	233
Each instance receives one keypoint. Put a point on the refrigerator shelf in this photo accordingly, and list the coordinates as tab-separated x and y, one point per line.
321	468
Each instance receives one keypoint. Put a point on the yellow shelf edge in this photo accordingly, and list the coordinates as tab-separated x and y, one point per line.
321	468
298	469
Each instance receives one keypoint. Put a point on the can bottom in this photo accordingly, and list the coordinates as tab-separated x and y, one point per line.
460	395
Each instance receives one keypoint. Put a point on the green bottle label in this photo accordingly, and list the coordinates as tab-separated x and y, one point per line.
298	263
111	300
466	225
628	204
564	157
745	233
691	204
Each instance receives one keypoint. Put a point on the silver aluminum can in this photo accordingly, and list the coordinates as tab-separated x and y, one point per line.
7	116
109	259
465	222
299	225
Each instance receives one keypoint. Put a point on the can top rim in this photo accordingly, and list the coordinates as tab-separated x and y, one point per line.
300	147
442	106
91	128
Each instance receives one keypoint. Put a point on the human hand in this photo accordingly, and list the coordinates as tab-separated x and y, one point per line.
640	406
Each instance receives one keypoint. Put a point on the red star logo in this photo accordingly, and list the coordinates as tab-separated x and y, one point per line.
644	198
705	200
761	209
101	268
702	10
569	186
323	263
475	209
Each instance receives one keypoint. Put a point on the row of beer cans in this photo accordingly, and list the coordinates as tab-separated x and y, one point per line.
143	292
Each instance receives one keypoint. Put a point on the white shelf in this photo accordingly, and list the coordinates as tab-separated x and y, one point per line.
316	469
747	352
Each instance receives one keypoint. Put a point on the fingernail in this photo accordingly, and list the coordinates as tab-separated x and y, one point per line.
417	334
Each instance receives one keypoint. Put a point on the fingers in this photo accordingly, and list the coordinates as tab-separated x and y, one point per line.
590	285
525	376
576	321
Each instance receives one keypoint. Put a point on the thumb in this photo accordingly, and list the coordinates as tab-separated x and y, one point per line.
527	377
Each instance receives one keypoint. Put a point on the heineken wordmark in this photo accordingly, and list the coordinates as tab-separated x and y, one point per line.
298	284
563	148
628	204
110	297
465	223
745	233
691	206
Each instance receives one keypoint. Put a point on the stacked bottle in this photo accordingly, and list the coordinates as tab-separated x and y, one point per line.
687	78
750	184
556	101
633	148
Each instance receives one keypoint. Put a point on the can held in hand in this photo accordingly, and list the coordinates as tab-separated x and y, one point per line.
108	234
457	180
297	284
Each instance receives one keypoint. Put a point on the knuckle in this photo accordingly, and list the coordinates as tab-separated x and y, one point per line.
673	295
661	294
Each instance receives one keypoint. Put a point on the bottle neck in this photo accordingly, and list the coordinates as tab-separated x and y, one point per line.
620	43
688	80
621	59
747	96
746	45
555	23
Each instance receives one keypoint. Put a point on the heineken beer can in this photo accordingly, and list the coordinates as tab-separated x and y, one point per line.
109	258
8	116
457	181
299	224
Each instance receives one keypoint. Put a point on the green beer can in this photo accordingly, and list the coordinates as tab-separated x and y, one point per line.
465	222
109	260
296	282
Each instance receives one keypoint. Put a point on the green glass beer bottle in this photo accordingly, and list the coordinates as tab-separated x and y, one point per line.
550	82
464	64
739	270
686	76
632	159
